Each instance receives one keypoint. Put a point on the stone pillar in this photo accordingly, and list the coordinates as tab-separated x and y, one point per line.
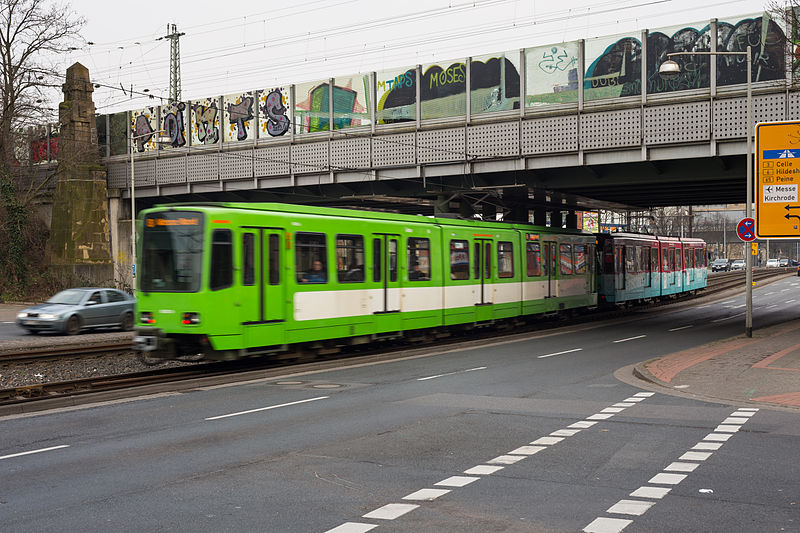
79	246
540	216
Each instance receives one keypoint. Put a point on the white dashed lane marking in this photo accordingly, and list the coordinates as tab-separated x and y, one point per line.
267	408
41	450
682	327
630	338
394	510
559	353
648	494
452	373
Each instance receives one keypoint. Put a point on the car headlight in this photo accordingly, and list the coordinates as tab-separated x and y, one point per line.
48	316
22	315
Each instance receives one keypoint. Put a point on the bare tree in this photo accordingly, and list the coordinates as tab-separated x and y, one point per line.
34	35
787	12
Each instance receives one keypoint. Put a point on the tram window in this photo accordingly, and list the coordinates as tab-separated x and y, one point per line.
311	259
350	258
221	259
687	257
579	251
533	255
630	259
565	259
505	260
618	261
487	256
672	259
476	269
419	259
665	259
647	264
248	259
393	260
654	259
274	259
377	263
698	257
459	259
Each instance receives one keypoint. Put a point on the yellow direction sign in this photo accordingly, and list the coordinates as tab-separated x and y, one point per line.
778	178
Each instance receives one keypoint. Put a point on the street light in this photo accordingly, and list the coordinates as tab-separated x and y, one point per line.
669	70
133	199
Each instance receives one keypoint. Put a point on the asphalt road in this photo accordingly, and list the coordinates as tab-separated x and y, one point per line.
445	442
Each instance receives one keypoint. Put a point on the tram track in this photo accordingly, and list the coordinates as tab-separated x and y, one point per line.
209	373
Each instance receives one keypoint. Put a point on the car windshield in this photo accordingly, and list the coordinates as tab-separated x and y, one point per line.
172	251
68	297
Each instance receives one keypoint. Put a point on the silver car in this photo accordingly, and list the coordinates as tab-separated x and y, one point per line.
72	310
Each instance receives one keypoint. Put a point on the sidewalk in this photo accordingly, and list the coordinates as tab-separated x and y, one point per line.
762	370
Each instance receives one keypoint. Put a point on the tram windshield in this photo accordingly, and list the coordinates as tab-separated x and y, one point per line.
172	252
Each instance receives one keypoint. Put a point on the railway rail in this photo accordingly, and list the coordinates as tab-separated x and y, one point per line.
245	368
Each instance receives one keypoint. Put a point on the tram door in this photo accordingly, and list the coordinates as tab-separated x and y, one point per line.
551	265
385	272
263	299
482	274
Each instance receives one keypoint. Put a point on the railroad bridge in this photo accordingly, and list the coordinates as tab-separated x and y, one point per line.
555	128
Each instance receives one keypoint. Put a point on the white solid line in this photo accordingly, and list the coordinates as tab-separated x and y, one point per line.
560	353
727	318
267	408
667	479
681	467
352	527
651	492
391	511
34	451
729	301
682	327
452	373
426	494
634	507
482	470
607	525
771	306
527	450
702	306
456	481
630	339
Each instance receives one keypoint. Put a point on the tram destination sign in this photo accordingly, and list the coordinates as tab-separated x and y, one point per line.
778	178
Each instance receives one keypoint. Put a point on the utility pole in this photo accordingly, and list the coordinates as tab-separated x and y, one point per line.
174	62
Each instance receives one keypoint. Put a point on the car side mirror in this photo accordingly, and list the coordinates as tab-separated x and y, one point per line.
90	302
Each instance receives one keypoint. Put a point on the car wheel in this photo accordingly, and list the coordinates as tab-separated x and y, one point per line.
73	325
127	322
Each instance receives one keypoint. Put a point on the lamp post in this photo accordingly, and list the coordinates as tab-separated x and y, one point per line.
133	201
669	70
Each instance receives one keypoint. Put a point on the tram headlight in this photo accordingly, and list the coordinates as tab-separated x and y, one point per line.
190	319
146	317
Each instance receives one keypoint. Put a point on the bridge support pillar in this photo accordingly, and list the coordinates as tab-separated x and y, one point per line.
540	216
517	202
571	219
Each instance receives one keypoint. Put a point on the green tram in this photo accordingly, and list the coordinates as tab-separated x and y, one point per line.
228	280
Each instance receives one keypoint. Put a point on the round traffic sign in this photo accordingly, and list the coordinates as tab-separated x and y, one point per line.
746	229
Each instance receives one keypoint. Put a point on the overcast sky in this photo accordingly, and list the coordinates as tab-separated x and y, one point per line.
236	46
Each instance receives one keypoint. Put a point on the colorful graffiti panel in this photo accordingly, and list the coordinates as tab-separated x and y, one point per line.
551	74
312	107
238	117
443	90
173	125
396	96
614	67
767	39
205	121
273	112
494	83
695	70
351	99
144	127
